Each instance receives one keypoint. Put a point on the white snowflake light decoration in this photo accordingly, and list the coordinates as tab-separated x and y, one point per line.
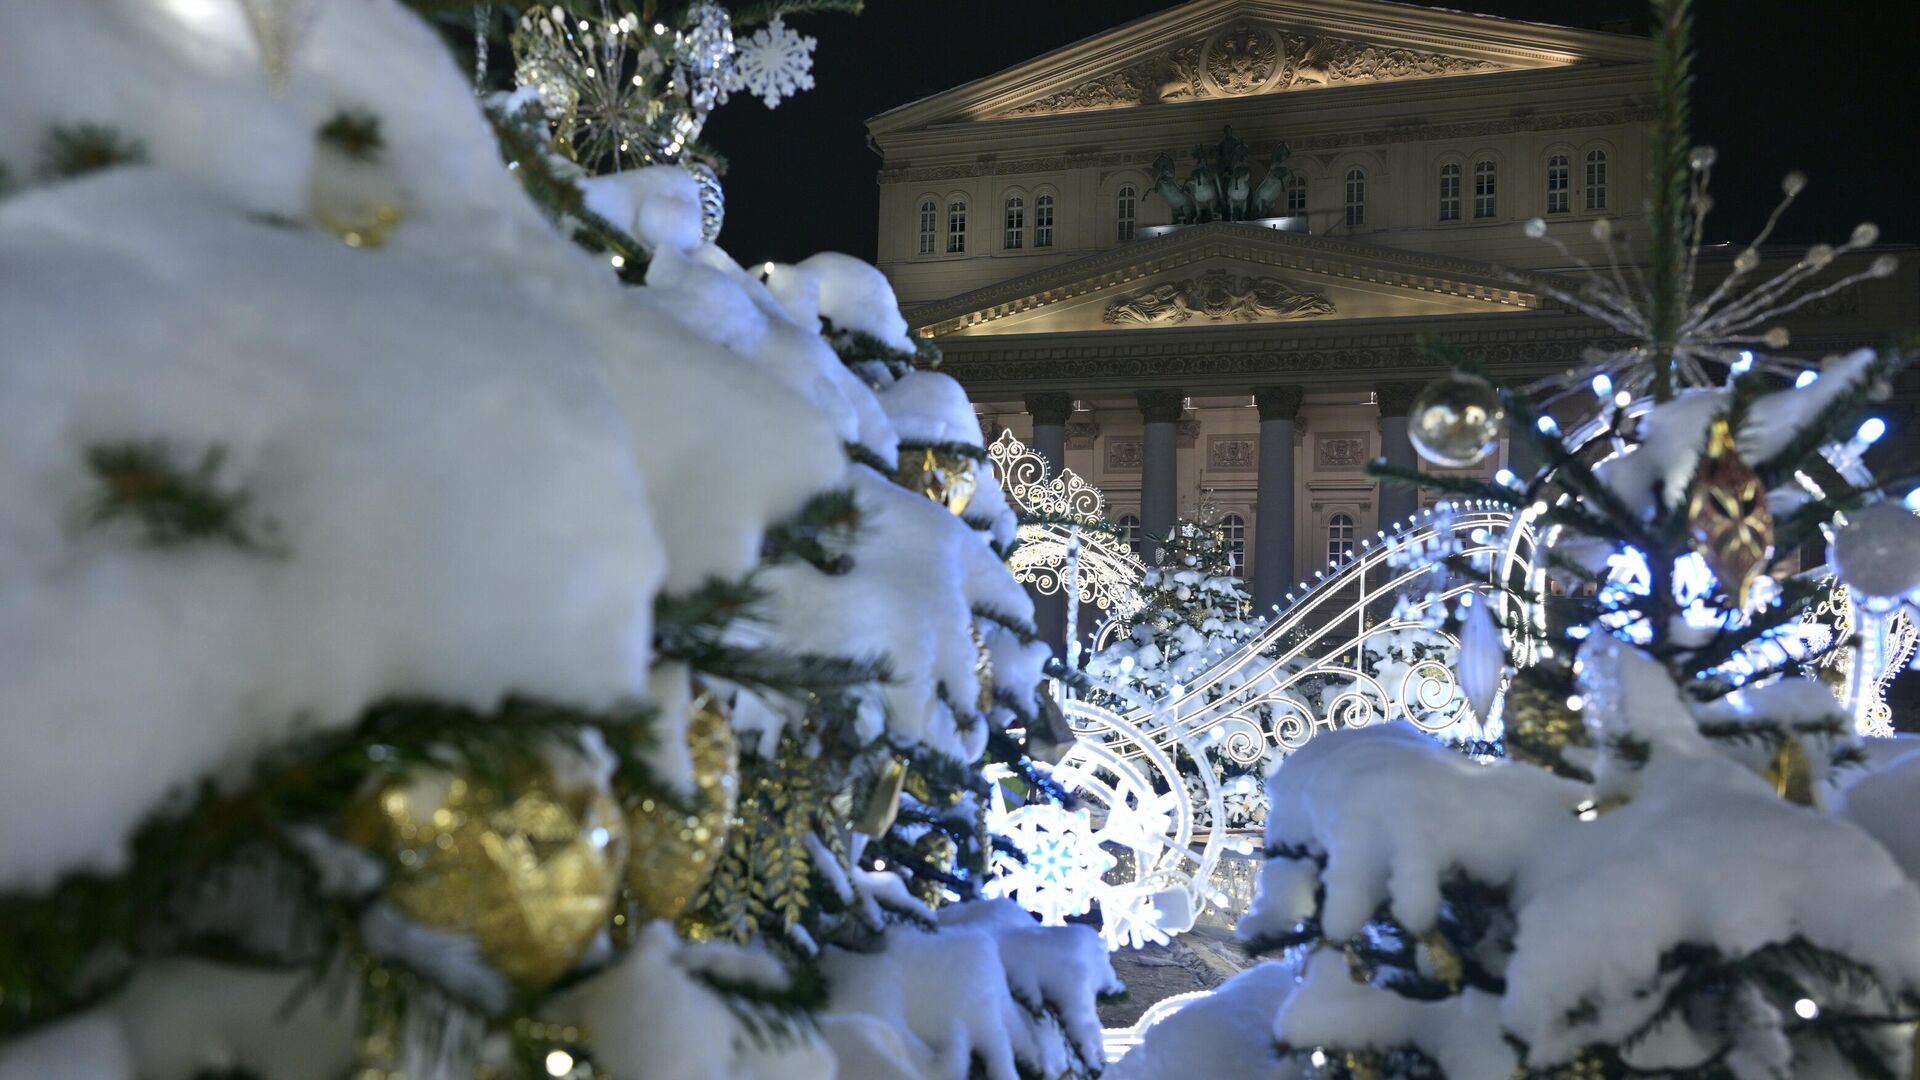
1063	863
774	63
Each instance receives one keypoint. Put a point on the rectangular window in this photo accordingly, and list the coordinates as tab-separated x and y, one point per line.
1296	195
1043	221
927	223
1356	198
1123	215
956	228
1449	193
1559	177
1016	223
1483	190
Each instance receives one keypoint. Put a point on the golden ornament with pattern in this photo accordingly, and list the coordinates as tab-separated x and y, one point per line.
675	849
1727	515
983	669
883	803
1538	724
528	868
352	190
934	849
1790	771
946	478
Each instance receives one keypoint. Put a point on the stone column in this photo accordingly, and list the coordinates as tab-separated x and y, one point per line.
1159	467
1397	501
1273	525
1049	412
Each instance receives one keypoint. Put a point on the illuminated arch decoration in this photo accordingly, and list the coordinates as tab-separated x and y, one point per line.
1066	544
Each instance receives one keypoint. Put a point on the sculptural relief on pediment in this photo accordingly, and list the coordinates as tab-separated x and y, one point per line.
1249	58
1217	296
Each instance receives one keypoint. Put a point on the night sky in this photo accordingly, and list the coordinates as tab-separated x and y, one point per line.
1828	88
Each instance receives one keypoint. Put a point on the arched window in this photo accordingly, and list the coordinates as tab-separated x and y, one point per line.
1596	179
1559	179
1131	523
1295	186
1233	529
956	227
929	220
1356	196
1016	222
1450	192
1043	221
1339	538
1483	189
1123	206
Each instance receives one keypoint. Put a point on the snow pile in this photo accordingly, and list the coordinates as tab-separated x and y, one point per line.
984	989
1227	1035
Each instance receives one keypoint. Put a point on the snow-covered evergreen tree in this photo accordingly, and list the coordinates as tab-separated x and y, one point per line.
1196	607
454	621
1685	865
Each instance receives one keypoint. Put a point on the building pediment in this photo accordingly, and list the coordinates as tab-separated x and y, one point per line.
1224	49
1221	275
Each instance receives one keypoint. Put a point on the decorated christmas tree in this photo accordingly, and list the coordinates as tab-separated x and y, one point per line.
456	622
1682	862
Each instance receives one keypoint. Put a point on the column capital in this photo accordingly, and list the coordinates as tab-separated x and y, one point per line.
1161	406
1279	402
1049	408
1396	398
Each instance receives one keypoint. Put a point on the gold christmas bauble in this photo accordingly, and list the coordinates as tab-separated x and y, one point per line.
675	849
946	478
1727	515
353	193
1538	724
527	867
937	850
1455	421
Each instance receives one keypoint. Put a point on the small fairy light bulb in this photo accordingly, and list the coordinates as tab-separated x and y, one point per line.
1819	256
1865	234
1913	500
1776	338
559	1063
1747	261
1622	399
1806	379
1883	266
1602	230
1702	157
1870	430
1576	702
1602	385
1536	228
1793	183
1505	478
1548	425
618	261
1743	364
1806	1009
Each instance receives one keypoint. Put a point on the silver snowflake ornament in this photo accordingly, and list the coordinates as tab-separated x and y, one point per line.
774	63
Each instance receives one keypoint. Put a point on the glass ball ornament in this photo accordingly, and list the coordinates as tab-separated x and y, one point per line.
1455	422
1873	553
675	849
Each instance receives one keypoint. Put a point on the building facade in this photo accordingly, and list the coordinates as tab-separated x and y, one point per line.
1027	222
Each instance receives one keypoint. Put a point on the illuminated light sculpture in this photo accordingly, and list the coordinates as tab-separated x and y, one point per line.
1130	849
1066	543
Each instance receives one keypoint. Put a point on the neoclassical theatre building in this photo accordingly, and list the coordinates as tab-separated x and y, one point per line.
1032	224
